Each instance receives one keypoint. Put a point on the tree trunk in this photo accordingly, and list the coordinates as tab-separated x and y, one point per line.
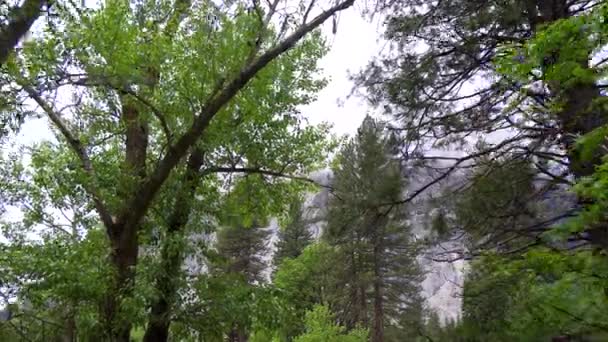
158	322
378	327
20	20
172	258
579	115
69	334
363	305
123	258
237	335
123	236
358	298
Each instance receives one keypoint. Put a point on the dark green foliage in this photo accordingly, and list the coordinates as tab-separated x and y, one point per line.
379	275
542	295
421	86
294	237
305	281
226	304
497	207
439	223
559	291
241	250
238	270
320	326
488	297
462	74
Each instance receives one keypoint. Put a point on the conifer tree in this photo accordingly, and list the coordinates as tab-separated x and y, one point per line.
380	275
241	250
294	237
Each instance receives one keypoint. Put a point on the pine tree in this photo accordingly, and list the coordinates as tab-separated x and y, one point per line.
241	250
380	274
509	58
294	237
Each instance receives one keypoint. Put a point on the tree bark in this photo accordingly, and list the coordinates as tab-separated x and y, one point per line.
363	314
237	335
69	334
124	258
378	327
123	236
172	258
578	115
20	21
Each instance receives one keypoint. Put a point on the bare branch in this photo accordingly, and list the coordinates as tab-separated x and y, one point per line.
599	326
307	13
455	166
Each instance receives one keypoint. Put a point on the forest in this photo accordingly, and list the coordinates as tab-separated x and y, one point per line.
181	192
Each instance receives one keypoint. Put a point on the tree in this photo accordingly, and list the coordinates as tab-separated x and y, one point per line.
306	281
453	93
501	208
156	81
533	284
542	295
241	250
294	237
379	258
320	327
16	22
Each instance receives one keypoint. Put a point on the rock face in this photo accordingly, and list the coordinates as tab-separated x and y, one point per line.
442	286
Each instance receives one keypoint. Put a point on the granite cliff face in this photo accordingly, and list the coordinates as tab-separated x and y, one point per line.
442	286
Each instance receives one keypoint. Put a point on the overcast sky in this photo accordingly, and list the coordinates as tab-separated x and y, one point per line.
352	47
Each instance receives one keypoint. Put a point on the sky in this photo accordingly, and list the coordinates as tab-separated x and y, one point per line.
351	48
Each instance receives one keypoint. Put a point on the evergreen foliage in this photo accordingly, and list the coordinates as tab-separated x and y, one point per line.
381	275
294	237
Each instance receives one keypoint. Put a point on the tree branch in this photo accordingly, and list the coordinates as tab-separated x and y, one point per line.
456	165
144	196
21	20
248	170
79	150
599	326
92	82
